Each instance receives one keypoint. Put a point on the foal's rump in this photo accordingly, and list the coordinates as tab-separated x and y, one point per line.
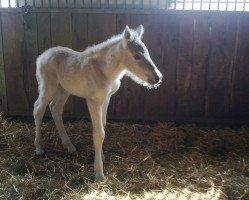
56	57
55	65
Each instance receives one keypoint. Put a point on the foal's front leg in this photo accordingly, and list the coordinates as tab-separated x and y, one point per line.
104	113
95	110
104	109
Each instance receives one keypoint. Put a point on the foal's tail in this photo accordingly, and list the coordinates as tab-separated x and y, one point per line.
38	72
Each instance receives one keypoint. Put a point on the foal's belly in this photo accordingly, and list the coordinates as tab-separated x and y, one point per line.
82	87
76	87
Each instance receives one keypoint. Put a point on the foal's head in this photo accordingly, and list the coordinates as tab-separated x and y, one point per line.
137	59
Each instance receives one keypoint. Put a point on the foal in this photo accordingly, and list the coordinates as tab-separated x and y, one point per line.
93	74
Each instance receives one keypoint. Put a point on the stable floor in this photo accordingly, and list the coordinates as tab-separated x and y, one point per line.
143	161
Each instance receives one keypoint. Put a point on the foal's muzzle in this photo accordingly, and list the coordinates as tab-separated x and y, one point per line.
155	79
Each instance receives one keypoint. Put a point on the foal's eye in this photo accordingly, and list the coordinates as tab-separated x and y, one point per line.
137	57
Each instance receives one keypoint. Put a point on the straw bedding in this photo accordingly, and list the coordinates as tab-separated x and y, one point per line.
143	161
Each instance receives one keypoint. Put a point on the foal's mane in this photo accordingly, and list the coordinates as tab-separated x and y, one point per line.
109	42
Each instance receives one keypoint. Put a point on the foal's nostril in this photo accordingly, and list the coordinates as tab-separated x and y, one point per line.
157	79
154	78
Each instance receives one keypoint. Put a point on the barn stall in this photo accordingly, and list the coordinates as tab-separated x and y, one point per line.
201	48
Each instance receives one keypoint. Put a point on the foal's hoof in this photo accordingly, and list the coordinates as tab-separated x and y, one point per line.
71	149
39	151
99	177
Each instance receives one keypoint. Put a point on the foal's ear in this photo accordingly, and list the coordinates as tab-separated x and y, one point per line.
127	33
140	31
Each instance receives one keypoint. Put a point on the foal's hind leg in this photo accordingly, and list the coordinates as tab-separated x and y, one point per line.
46	93
56	107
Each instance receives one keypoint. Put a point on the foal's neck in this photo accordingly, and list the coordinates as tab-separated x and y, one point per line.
114	69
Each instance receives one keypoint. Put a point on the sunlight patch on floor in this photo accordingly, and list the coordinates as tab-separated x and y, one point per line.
169	194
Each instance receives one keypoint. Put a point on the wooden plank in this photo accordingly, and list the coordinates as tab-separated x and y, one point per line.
184	66
220	64
79	43
61	29
122	21
79	31
30	54
170	54
100	27
3	100
199	64
44	39
240	94
13	34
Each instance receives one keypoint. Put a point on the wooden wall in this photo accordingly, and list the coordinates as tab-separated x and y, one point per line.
204	57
